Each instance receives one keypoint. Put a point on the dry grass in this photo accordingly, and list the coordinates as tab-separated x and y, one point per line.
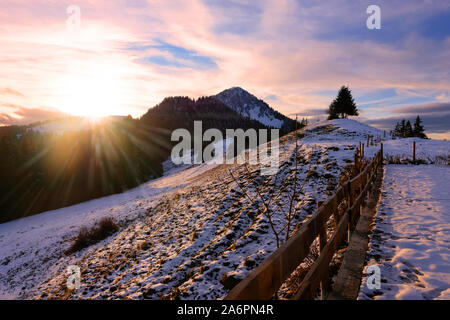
88	236
443	160
352	170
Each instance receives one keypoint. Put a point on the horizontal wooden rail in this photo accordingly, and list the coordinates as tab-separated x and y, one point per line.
263	282
314	276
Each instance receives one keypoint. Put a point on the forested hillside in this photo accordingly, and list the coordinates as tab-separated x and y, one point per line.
181	112
43	171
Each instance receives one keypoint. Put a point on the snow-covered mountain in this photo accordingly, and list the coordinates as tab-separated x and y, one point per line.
250	106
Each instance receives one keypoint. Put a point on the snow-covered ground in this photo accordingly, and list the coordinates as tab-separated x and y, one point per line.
180	234
65	125
427	150
181	243
72	124
411	239
32	248
344	129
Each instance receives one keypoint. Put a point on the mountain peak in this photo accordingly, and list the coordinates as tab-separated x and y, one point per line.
234	89
251	107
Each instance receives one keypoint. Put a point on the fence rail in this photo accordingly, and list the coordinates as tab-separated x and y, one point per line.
266	279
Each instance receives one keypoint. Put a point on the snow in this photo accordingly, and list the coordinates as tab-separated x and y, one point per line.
343	128
72	124
249	106
197	221
181	233
427	150
62	126
257	113
37	242
410	242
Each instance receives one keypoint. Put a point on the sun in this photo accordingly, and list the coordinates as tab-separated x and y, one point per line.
94	93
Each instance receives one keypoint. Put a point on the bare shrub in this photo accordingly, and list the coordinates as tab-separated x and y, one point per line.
270	206
88	236
353	169
445	160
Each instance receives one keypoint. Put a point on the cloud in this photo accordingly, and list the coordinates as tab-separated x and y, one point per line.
166	54
272	97
22	115
425	109
235	17
310	113
10	105
435	117
8	91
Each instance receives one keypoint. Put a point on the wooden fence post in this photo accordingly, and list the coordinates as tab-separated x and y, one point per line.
324	283
350	202
414	152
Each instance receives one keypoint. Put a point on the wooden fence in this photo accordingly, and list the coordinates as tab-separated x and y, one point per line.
267	278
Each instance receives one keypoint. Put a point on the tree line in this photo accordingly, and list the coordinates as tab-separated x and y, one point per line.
404	129
45	171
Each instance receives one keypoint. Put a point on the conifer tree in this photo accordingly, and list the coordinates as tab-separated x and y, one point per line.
398	130
343	106
408	130
332	111
418	129
403	128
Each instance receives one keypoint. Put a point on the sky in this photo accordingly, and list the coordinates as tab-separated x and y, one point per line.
97	58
